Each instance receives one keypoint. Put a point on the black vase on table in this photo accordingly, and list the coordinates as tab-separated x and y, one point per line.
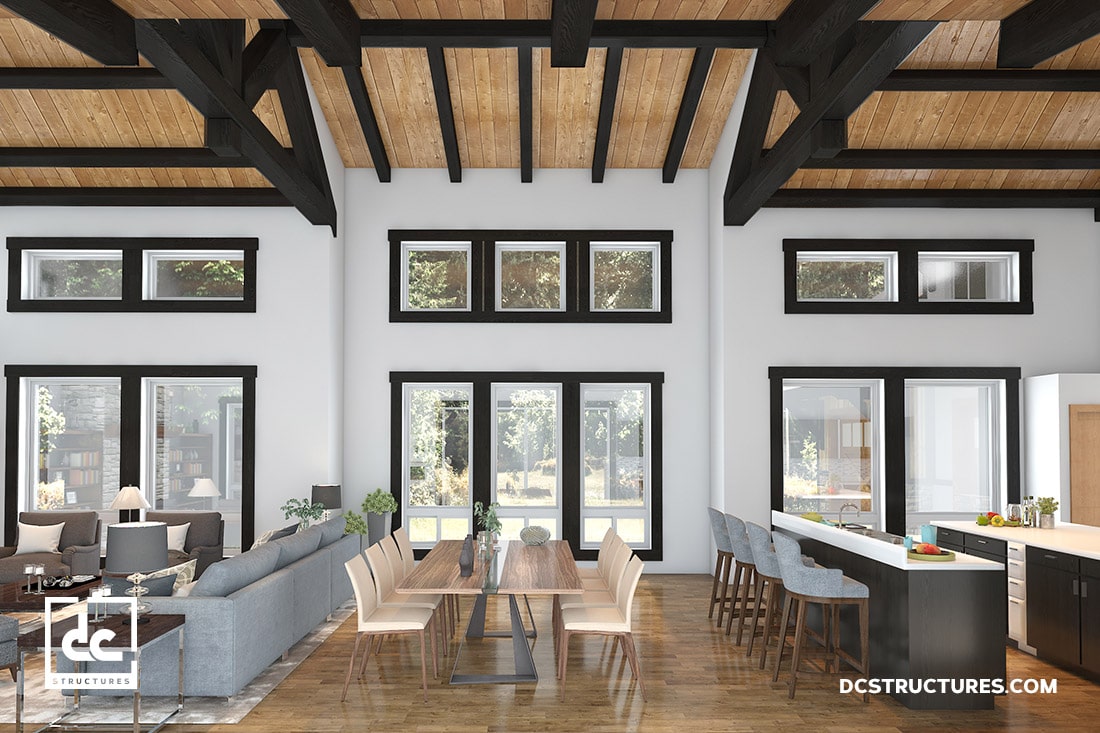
466	557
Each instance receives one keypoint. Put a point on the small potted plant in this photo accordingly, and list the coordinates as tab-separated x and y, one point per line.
379	507
304	509
1046	505
489	521
355	524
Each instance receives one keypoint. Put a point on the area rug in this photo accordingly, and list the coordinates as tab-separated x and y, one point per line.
43	706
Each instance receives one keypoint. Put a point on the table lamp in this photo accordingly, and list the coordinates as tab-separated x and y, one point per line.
134	548
205	488
329	496
129	501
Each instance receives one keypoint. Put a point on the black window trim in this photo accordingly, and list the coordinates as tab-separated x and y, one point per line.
577	272
907	251
130	427
893	399
133	255
481	409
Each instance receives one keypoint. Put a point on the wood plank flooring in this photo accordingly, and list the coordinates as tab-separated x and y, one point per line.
696	678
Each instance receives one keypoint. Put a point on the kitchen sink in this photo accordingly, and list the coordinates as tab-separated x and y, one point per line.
875	534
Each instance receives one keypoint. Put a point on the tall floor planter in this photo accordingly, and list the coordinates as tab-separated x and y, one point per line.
378	526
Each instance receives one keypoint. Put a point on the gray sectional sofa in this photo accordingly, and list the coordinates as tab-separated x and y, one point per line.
246	611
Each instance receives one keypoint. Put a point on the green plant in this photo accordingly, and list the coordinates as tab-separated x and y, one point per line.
354	523
304	509
488	518
379	502
1047	504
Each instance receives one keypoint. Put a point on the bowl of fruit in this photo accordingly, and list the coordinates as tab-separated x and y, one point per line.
929	552
993	519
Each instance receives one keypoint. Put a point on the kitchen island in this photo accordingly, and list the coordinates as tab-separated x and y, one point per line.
929	621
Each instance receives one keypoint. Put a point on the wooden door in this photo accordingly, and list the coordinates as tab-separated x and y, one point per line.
1084	464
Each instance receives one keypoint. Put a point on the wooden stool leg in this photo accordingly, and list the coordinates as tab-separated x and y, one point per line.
782	636
799	638
769	619
864	641
758	593
750	575
714	586
727	566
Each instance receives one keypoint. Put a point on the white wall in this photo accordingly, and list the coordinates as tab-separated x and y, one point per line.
488	199
1060	336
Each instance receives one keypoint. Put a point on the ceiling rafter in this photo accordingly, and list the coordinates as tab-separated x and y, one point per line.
1001	198
526	114
442	88
1044	28
760	101
612	69
27	157
165	45
962	159
98	28
987	80
571	31
878	51
82	77
808	28
368	123
685	115
298	112
330	26
135	196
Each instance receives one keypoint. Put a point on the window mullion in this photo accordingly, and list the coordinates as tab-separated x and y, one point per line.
569	453
893	389
907	276
482	469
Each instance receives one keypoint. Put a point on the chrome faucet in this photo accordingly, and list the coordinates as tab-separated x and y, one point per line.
840	516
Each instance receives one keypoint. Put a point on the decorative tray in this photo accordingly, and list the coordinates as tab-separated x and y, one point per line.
944	556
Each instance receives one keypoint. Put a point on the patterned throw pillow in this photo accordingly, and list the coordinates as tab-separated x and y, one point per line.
184	572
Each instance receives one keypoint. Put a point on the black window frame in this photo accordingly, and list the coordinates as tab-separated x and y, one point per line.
481	418
578	276
133	285
907	252
130	426
893	410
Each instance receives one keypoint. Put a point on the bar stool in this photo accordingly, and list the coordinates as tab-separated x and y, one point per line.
767	578
722	563
744	574
832	589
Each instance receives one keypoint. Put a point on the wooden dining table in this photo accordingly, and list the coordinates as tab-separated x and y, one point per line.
514	570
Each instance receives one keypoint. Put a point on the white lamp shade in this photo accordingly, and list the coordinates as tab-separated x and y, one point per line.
204	487
130	497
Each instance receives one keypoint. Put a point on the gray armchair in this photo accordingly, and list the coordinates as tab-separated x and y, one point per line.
79	546
9	653
204	536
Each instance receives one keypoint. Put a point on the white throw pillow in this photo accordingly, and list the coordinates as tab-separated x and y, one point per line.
177	536
184	590
264	538
38	538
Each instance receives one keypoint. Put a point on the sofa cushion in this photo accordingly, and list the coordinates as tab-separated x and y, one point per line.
177	536
38	538
232	574
81	527
332	530
296	546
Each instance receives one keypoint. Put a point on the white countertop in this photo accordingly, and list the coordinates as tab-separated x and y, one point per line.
878	550
1077	539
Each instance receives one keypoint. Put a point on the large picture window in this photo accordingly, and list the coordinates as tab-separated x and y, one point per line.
558	276
575	452
120	274
76	435
908	275
905	445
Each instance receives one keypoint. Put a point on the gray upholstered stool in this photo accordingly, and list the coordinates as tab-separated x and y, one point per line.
768	579
744	574
9	651
722	564
832	589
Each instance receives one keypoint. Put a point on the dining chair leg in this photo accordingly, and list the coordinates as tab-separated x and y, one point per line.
351	665
435	658
782	636
799	638
636	665
366	655
423	665
758	589
769	619
564	661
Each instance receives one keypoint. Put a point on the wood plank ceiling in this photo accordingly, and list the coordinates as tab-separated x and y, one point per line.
487	102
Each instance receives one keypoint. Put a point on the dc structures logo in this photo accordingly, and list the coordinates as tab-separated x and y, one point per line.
82	642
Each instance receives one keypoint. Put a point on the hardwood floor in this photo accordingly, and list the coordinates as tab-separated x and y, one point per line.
696	678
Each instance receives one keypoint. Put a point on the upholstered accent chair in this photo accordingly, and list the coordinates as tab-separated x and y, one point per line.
77	551
204	537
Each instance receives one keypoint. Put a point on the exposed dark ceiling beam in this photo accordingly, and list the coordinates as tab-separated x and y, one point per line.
98	28
526	115
759	103
132	196
1002	198
442	88
685	116
368	123
571	31
298	113
612	68
264	55
807	28
1045	28
331	27
881	47
164	44
986	80
118	158
938	159
537	33
82	78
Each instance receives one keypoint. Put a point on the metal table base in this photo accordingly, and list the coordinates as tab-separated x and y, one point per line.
521	650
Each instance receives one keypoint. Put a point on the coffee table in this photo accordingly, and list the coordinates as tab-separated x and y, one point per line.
14	596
